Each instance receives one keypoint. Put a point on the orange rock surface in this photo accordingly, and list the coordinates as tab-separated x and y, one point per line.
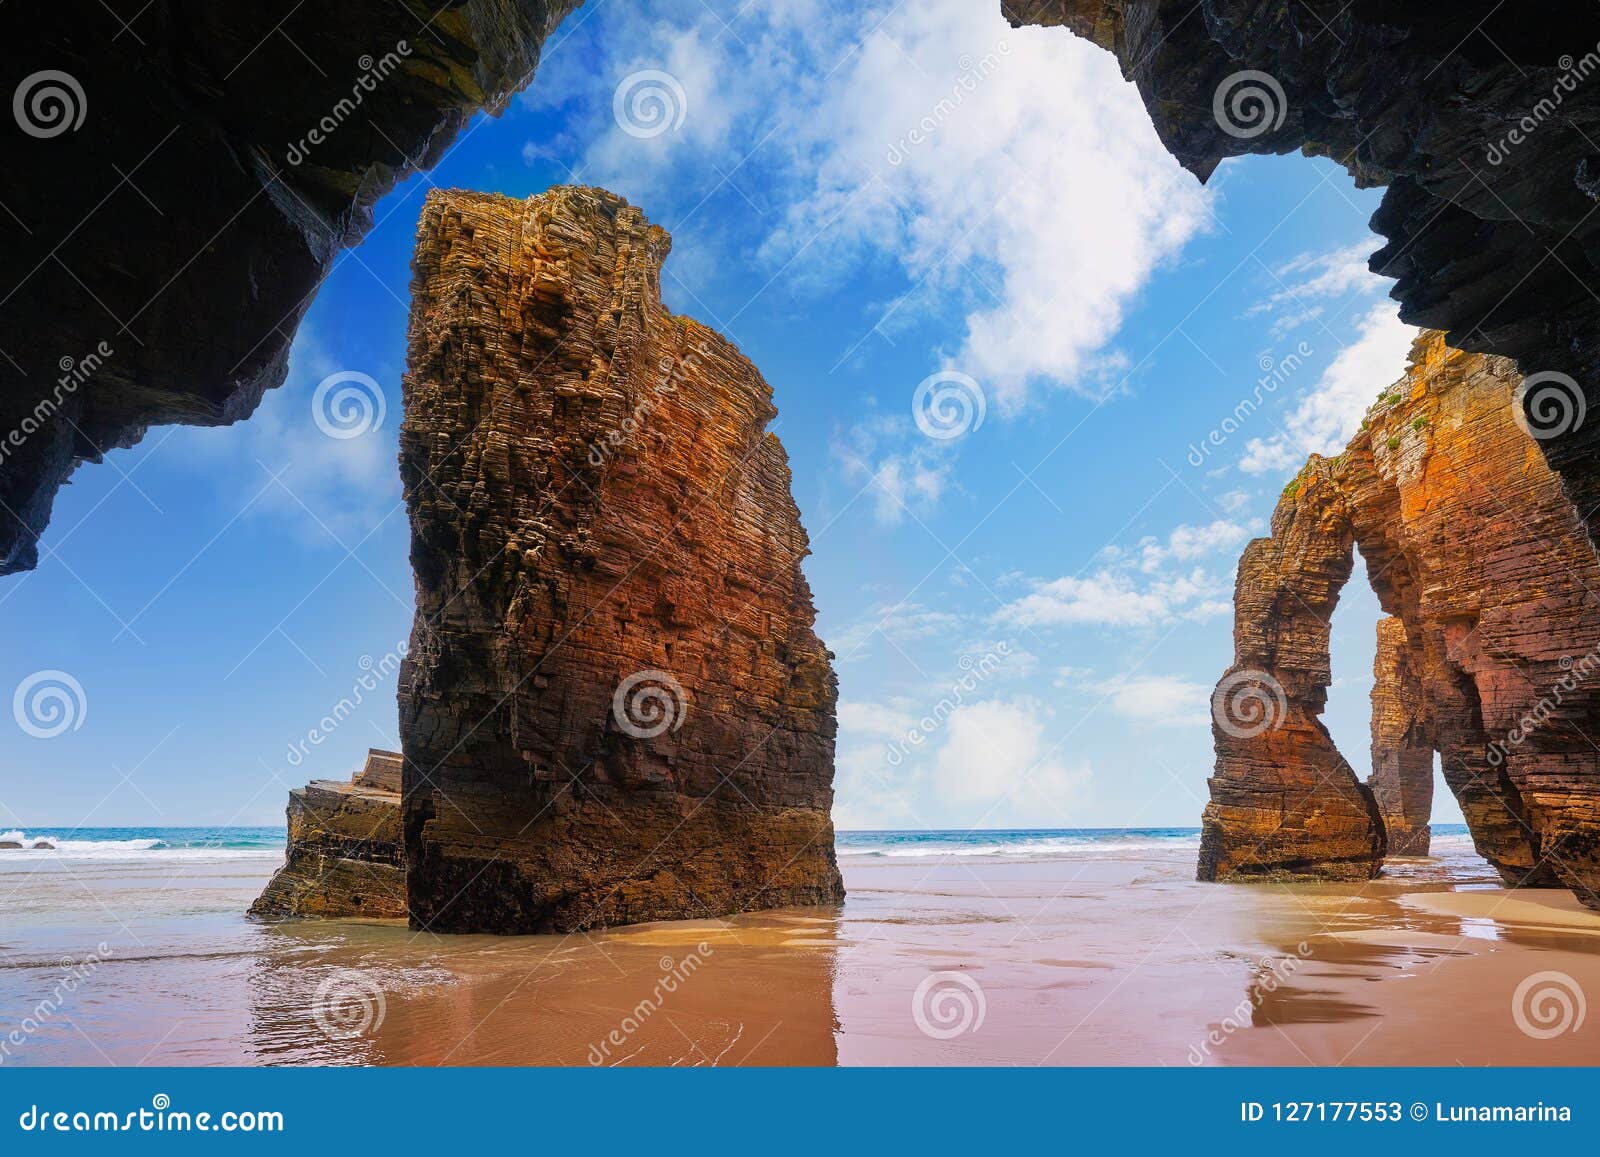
614	707
1472	546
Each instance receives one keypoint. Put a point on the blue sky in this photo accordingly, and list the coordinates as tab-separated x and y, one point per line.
861	197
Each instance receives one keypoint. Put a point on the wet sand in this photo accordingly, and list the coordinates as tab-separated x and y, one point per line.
1112	959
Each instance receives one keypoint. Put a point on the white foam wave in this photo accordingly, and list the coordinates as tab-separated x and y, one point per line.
1043	849
141	850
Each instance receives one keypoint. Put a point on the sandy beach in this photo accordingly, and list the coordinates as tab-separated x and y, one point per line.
1113	956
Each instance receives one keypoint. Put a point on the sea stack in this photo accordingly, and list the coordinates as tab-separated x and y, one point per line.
614	707
1491	657
344	851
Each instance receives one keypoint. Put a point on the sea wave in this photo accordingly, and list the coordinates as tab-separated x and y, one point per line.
122	843
1062	845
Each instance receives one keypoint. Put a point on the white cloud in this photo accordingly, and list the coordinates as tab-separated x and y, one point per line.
329	491
918	139
1160	700
1187	543
896	622
910	478
996	768
1329	415
1308	283
1112	598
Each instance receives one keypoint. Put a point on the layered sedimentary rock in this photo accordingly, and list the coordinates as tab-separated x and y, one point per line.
614	707
178	181
344	856
1480	117
1471	545
1402	744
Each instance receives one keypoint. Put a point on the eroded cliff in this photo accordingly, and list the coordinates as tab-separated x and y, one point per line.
614	707
1491	657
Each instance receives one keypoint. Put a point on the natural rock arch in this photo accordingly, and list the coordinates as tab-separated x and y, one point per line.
1489	657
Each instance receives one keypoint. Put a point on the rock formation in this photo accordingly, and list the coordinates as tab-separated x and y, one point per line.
1480	118
1402	744
1492	658
344	856
614	707
178	181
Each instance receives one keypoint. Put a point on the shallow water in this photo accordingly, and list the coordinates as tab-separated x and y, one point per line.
989	948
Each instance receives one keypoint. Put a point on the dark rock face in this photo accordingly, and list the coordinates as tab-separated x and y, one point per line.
344	856
614	707
1482	118
179	179
1492	656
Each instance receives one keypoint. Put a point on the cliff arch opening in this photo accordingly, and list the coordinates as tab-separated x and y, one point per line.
1467	558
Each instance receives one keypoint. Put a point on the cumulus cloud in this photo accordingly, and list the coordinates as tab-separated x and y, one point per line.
998	769
1188	543
1113	598
915	139
1328	416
